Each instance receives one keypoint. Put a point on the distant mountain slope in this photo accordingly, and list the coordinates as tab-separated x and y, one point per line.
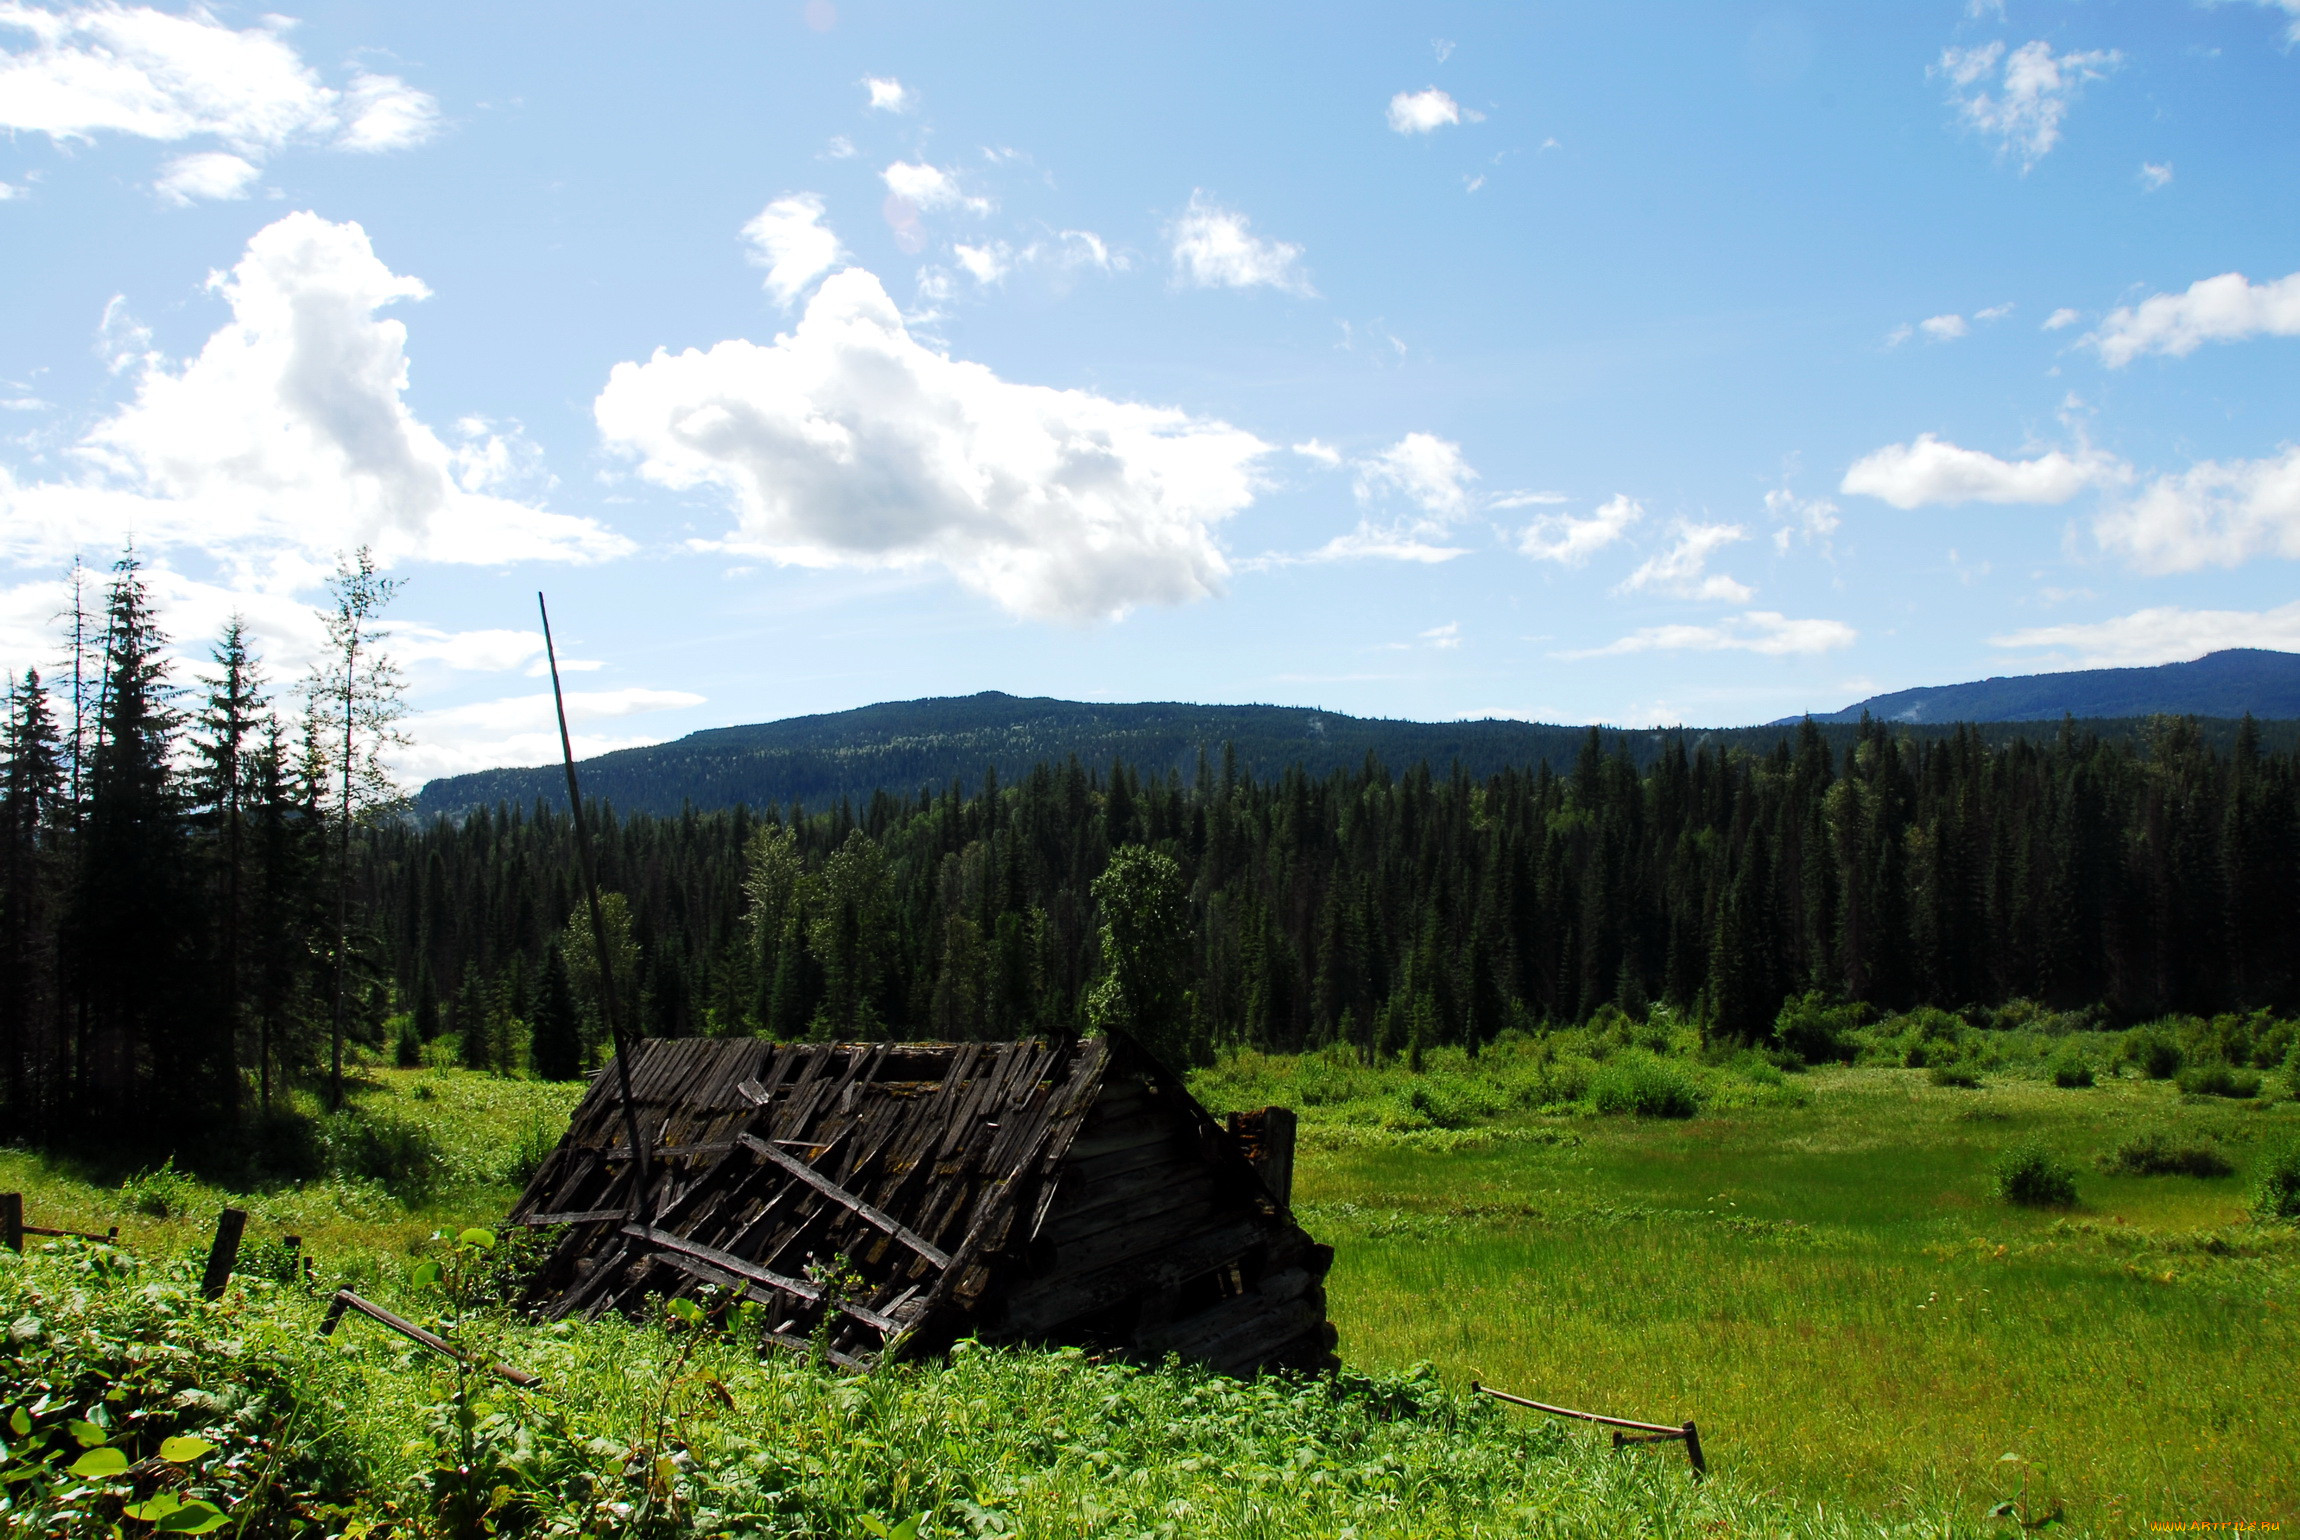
2219	684
903	745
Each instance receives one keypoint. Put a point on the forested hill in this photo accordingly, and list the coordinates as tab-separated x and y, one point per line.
2228	683
904	745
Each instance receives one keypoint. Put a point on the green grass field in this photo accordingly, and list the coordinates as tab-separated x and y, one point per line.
1836	1293
1816	1267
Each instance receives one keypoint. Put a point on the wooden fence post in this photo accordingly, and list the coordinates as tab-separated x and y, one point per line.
224	1254
1278	1153
1693	1450
12	1220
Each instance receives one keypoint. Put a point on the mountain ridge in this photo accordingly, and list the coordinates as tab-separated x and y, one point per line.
2229	683
900	746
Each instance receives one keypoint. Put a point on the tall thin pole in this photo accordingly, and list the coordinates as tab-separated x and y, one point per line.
642	1170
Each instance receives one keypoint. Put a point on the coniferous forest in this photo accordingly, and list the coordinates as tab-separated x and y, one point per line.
1385	909
208	890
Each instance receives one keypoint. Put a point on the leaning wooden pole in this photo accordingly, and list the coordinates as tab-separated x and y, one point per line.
642	1169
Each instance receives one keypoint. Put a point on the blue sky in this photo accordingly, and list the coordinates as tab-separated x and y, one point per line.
1625	363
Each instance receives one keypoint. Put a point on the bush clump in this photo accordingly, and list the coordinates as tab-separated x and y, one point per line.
2153	1051
2219	1080
2154	1152
2276	1191
2071	1070
2032	1176
1956	1072
1812	1029
1637	1083
401	1156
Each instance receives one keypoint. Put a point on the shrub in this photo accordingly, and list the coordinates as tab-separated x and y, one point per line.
2032	1176
2276	1192
1812	1029
1957	1072
2153	1051
2071	1070
2156	1153
403	1157
162	1192
2220	1080
1636	1082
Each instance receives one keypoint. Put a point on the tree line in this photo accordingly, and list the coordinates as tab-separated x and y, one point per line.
180	936
209	889
1382	909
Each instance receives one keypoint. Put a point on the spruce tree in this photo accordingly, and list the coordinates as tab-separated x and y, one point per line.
556	1052
31	809
229	717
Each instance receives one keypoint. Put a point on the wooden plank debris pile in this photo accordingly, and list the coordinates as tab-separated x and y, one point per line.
884	1199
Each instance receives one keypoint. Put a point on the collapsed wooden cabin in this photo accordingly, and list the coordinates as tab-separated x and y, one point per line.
884	1199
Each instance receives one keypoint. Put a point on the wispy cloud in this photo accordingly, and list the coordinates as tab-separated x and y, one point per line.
1570	542
1683	572
1765	632
2167	634
106	68
2021	105
1215	248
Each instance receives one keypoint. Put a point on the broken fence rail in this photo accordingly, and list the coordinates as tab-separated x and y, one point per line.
1655	1432
345	1300
13	1229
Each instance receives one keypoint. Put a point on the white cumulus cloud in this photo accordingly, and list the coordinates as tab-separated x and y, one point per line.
2228	308
930	187
1683	569
2061	318
985	264
1943	328
1766	632
208	174
1569	541
288	437
2021	106
2215	513
116	69
1932	470
2164	635
849	443
789	239
888	94
1215	248
1422	112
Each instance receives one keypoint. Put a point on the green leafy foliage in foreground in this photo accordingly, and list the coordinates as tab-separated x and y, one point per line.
130	1402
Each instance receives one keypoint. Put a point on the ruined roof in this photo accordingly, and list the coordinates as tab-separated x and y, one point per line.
883	1198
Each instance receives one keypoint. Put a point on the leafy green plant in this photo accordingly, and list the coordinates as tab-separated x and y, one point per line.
2153	1051
1815	1030
378	1147
2276	1189
2032	1176
2219	1080
2071	1070
1956	1072
162	1192
1638	1083
2154	1152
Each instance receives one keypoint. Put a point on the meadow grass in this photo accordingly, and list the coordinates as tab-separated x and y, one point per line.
1815	1266
1837	1295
